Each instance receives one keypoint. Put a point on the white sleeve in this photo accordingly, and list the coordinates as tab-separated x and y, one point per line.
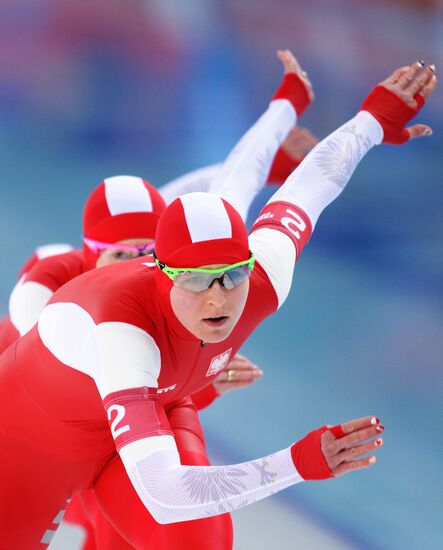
246	169
285	224
172	492
198	180
326	170
26	303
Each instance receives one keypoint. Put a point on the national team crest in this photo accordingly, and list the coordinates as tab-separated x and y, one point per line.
219	362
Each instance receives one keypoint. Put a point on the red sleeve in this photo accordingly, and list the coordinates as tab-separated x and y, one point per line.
205	397
294	90
135	414
53	272
308	457
392	113
287	218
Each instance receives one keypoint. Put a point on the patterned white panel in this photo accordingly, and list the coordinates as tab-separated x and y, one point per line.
199	228
173	492
125	194
137	450
326	170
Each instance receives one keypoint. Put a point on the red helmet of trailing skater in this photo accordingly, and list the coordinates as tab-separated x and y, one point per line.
120	208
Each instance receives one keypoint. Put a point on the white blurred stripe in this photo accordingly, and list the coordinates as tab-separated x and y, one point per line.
58	517
125	194
48	250
26	302
47	537
68	537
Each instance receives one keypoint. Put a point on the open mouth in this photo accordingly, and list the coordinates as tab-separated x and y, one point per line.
216	321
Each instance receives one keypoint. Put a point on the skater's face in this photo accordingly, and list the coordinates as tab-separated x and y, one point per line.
212	314
132	248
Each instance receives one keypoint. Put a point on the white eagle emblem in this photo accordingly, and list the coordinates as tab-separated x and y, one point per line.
219	362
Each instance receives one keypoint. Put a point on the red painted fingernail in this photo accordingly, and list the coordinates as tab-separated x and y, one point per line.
374	421
378	442
379	428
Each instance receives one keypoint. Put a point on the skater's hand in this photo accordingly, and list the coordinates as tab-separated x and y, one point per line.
291	65
344	445
332	451
239	373
398	99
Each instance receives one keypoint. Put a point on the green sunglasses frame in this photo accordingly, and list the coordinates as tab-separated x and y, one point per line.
174	272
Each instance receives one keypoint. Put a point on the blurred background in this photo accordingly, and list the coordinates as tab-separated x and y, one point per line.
95	88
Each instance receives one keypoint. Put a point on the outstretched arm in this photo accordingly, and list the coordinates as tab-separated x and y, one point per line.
286	222
292	151
173	492
247	167
324	173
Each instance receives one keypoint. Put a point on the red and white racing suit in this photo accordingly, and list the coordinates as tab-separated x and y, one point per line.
108	369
